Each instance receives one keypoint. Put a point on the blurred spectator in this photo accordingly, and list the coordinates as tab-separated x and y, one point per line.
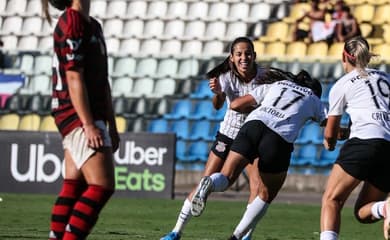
2	56
347	27
316	29
337	10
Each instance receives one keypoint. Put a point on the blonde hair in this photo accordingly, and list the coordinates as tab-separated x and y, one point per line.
357	52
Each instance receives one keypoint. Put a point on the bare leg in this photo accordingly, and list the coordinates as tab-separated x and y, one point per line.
98	172
254	179
368	196
339	187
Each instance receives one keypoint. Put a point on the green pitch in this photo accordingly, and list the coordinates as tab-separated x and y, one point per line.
27	216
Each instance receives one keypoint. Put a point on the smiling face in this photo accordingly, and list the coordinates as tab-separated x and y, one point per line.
243	58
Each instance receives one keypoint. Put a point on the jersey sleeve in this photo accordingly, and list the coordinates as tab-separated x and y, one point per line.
73	45
259	92
336	101
223	82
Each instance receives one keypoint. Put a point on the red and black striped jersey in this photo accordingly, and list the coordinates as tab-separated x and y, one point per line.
78	45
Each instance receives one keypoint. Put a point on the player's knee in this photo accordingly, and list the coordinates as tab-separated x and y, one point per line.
265	195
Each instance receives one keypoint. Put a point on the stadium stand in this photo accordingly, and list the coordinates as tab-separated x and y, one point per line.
9	121
200	130
47	124
158	126
30	122
202	90
306	155
326	158
203	109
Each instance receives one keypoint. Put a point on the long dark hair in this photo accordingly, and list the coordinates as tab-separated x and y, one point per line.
303	79
227	65
59	4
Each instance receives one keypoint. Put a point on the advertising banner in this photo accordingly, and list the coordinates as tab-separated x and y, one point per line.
32	162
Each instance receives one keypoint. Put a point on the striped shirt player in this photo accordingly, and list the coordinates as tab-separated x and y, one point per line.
78	44
82	107
234	88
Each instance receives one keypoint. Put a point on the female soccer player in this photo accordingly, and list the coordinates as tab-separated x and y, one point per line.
364	94
81	106
234	77
268	134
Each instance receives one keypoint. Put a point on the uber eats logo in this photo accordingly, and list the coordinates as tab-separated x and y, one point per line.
136	168
133	164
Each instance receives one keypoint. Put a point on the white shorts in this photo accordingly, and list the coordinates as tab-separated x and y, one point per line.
77	145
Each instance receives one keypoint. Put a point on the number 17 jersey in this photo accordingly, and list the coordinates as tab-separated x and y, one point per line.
285	108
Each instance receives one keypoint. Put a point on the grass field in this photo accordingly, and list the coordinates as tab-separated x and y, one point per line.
26	217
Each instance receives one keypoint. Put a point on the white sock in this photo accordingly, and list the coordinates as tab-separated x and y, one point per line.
328	235
220	182
254	212
377	210
184	216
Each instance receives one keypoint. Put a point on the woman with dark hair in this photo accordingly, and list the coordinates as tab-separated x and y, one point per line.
82	109
347	26
236	76
363	93
268	134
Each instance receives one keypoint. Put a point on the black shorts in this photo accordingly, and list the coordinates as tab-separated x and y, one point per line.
255	139
221	145
367	160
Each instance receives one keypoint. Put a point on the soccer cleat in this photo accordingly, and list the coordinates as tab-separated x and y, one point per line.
198	201
386	222
246	237
171	236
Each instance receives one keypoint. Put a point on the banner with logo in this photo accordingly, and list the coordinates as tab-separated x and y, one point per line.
32	162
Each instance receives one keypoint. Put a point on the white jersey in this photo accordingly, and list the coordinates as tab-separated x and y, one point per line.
285	108
366	100
234	88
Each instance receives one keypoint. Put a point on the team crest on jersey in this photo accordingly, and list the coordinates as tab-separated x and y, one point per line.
73	45
220	147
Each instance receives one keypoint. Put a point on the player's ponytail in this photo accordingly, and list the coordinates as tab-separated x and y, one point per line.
222	68
272	75
59	4
304	79
357	52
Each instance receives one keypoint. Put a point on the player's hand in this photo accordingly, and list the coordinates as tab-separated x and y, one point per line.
329	146
343	133
93	135
214	85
